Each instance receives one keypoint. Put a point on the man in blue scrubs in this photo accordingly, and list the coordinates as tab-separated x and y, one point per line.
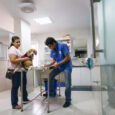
61	61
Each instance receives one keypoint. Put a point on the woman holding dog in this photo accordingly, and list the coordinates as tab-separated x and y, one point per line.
14	61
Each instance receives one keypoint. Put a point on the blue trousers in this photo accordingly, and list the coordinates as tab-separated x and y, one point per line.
67	74
16	82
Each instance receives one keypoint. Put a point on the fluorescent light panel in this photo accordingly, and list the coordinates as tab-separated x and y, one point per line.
45	20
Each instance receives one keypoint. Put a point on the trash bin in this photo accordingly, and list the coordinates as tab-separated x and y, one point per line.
46	85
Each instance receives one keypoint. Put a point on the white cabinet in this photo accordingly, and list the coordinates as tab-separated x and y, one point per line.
75	76
81	76
85	77
96	76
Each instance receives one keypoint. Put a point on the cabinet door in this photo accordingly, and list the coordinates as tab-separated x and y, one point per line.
75	76
85	79
95	76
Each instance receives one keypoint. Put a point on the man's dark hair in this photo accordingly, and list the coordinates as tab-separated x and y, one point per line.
50	40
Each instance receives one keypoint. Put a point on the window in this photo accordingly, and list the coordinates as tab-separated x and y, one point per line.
3	52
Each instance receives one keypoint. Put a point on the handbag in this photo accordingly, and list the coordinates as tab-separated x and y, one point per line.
9	74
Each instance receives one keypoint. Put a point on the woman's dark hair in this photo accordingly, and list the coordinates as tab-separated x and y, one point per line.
13	40
50	40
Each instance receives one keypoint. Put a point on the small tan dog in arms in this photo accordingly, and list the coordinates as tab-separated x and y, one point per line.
30	53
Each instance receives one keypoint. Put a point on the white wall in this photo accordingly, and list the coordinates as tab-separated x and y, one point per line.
76	35
5	84
22	29
4	39
25	36
6	20
7	24
17	26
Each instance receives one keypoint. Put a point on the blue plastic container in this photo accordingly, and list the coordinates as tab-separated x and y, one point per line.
46	85
61	84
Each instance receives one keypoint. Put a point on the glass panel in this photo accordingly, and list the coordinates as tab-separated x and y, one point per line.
106	22
108	89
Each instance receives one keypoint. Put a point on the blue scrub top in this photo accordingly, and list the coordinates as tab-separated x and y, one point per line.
59	54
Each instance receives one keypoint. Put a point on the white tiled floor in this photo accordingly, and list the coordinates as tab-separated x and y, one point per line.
107	108
83	103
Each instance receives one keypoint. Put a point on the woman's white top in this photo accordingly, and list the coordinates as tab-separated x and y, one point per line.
18	53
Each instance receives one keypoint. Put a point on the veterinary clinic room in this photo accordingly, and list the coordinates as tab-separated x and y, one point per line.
57	57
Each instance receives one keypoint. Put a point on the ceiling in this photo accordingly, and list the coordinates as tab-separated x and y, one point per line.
65	14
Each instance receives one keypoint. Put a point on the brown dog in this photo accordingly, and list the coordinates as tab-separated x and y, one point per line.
30	53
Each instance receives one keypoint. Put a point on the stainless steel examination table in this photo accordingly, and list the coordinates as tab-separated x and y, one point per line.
43	74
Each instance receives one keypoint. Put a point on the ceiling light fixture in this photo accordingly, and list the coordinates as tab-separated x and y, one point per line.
27	7
45	20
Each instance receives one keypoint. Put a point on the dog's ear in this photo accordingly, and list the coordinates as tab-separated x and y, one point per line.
34	51
30	50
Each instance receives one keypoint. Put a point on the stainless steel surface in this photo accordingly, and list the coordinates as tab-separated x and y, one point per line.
59	87
42	71
48	97
93	28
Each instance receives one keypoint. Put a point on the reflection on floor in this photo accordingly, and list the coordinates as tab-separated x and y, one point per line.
83	103
108	108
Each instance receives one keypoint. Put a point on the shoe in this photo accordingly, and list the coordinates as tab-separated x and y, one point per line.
51	95
45	94
66	104
16	107
26	101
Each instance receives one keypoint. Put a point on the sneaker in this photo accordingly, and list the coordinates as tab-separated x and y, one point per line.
66	104
16	107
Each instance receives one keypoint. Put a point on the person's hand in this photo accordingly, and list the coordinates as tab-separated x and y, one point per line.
55	66
26	58
46	65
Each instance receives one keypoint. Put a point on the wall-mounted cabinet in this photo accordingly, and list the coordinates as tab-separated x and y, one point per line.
81	53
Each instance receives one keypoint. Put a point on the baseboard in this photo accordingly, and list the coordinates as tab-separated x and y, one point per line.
81	88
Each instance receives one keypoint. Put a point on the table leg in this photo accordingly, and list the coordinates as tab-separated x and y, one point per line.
59	87
21	90
48	97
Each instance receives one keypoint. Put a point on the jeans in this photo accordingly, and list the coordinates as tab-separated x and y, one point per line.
16	82
67	75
